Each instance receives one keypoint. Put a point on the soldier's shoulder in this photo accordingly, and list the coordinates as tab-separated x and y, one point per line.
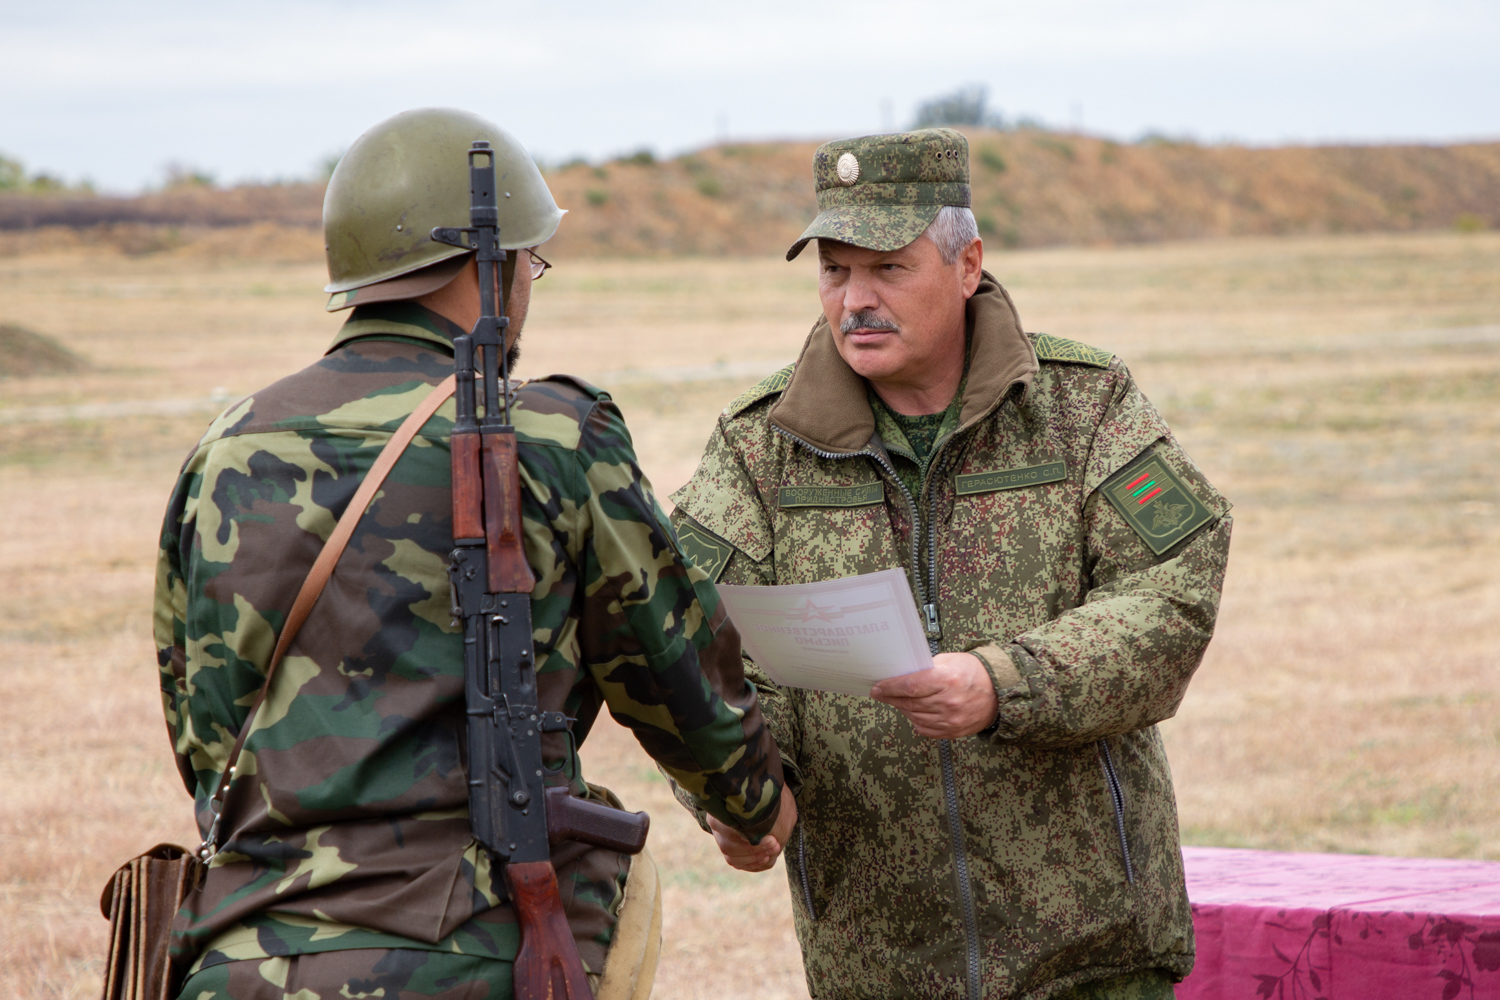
553	410
581	392
766	389
1060	350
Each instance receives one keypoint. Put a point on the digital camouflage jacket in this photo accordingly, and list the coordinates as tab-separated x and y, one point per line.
1063	536
347	826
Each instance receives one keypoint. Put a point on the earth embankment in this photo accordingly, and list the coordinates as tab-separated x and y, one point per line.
1031	188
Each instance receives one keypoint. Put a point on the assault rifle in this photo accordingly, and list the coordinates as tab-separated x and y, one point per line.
514	815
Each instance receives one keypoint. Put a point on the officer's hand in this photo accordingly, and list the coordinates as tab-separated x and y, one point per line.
955	698
748	857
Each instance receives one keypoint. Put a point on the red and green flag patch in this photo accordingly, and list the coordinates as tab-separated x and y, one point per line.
1156	502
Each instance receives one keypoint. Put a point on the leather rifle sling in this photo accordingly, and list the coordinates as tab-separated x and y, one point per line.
322	570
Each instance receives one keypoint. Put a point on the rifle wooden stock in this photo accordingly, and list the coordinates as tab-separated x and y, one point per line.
572	818
547	964
509	572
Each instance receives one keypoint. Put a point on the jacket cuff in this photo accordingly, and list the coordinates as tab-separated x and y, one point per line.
1003	671
1003	674
686	800
791	774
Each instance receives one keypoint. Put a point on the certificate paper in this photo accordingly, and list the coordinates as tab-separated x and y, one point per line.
834	635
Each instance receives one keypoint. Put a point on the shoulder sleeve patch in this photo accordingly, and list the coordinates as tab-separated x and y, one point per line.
768	386
706	550
1157	502
1050	348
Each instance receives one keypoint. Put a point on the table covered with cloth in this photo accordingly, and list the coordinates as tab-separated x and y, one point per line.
1341	926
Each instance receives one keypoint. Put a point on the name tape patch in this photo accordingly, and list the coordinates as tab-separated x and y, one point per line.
1010	479
831	496
704	549
1156	503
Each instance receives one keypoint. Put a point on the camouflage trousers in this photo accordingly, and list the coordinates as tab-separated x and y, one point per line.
391	974
1151	985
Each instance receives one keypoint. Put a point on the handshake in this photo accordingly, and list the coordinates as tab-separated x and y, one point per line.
955	698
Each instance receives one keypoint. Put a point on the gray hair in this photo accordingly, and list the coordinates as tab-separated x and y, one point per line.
952	230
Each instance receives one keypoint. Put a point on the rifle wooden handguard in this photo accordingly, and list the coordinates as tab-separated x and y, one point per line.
572	818
468	488
509	572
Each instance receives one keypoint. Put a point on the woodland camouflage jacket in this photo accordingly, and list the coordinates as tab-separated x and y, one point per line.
1046	855
347	826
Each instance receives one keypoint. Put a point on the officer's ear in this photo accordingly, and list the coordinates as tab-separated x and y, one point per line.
972	259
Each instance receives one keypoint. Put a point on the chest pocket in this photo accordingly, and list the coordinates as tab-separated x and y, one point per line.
829	530
1014	551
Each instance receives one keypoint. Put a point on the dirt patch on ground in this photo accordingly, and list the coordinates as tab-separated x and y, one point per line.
25	352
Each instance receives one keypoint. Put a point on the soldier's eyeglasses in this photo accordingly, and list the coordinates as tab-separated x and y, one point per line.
538	264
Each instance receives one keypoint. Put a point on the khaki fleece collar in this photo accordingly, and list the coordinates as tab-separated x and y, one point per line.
826	405
403	319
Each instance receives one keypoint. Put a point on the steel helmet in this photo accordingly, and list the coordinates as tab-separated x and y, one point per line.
407	175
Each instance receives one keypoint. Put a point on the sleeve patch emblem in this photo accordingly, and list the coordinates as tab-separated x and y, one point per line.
1156	502
706	550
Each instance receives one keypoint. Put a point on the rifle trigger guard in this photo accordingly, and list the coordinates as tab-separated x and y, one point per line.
554	722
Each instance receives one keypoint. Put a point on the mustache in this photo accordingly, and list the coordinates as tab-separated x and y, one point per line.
866	321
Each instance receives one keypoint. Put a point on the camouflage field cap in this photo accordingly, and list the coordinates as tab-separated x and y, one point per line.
883	191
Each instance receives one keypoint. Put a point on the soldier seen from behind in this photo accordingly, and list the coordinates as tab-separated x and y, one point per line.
1001	825
344	864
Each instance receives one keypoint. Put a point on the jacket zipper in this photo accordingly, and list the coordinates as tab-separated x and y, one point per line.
812	914
1117	795
973	989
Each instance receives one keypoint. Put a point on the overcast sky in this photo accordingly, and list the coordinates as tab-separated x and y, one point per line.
113	91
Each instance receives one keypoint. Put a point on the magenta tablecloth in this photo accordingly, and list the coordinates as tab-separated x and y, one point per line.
1341	926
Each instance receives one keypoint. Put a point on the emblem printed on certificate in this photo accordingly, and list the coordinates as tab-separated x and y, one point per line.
1156	502
835	635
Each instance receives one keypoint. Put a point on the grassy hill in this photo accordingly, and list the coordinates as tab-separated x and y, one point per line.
1032	188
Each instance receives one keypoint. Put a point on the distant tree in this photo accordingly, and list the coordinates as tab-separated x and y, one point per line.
13	177
328	164
180	175
12	174
968	105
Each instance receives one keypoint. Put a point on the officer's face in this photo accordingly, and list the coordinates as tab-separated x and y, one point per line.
899	315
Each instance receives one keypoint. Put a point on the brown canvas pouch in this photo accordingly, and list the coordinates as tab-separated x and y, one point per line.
141	900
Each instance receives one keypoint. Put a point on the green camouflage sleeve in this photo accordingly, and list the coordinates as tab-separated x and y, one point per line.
169	625
660	648
734	530
1122	660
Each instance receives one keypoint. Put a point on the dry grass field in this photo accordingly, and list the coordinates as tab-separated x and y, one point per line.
1342	391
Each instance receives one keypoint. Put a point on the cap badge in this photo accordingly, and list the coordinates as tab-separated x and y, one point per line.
848	168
